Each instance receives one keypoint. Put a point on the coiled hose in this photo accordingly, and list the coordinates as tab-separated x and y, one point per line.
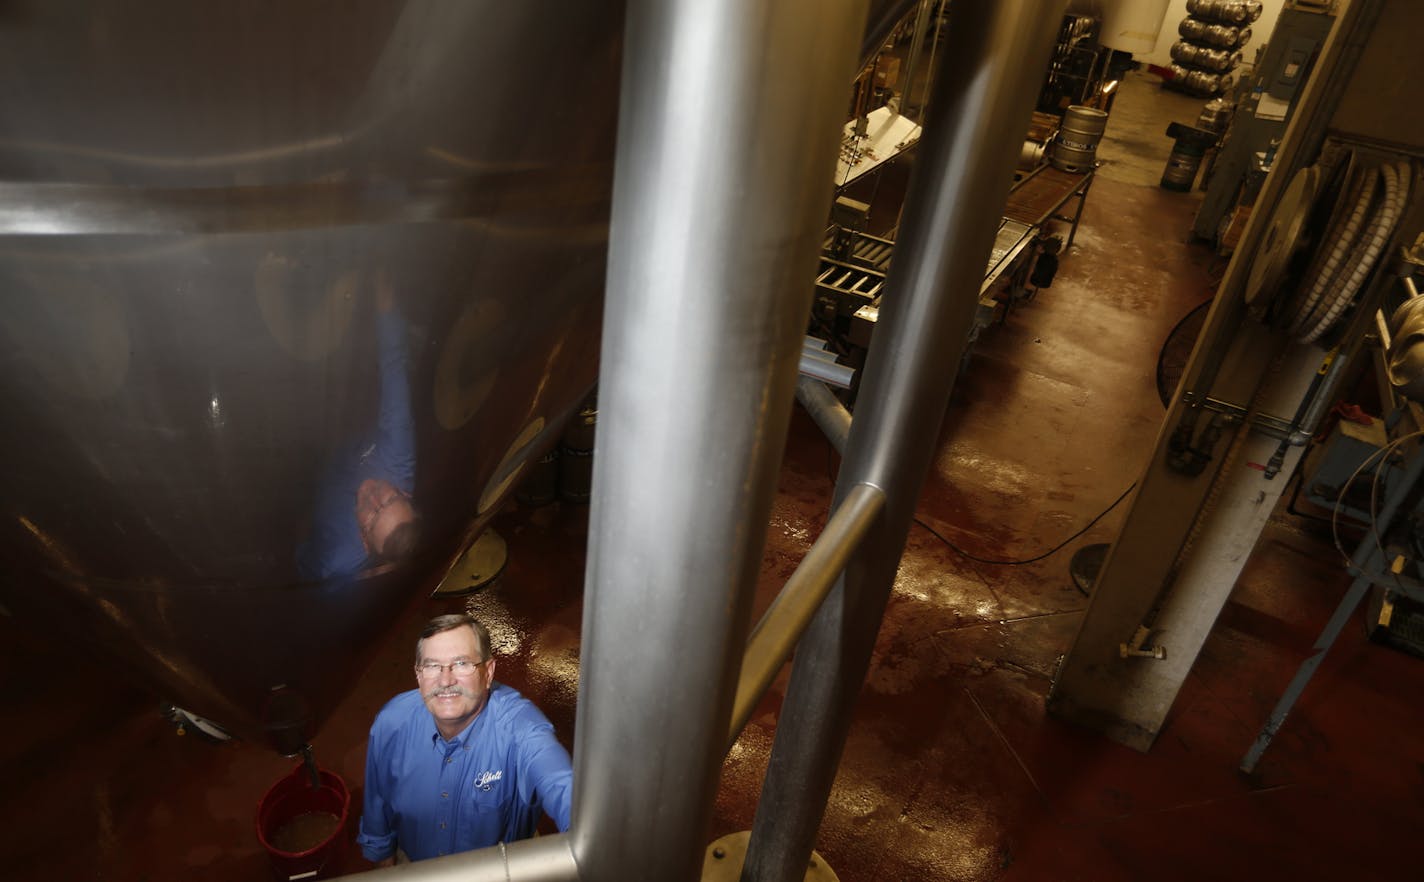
1355	251
1367	253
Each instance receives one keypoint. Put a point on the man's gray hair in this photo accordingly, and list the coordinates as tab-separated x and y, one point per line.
441	624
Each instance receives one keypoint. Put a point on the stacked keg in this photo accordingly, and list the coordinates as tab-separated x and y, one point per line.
1204	60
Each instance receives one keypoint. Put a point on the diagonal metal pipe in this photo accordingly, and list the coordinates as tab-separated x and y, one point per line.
826	411
728	131
994	56
775	636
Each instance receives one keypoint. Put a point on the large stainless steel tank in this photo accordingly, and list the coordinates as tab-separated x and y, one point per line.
194	201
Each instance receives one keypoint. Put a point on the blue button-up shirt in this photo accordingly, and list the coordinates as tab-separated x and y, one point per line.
334	546
433	797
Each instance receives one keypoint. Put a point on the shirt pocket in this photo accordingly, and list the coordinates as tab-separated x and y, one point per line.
484	820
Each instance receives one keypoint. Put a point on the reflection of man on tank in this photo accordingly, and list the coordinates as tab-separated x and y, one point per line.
364	513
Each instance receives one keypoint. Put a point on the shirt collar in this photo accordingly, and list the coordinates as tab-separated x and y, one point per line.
437	740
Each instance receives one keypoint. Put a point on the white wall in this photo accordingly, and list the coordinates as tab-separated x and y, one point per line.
1260	32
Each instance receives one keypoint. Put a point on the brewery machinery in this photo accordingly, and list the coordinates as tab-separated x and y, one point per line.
1262	108
199	212
1310	292
249	250
1040	218
1055	172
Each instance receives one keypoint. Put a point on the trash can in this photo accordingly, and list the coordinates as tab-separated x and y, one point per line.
302	826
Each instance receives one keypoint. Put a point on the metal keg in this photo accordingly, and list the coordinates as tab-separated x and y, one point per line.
1204	57
1075	147
1201	82
1215	116
1225	11
1079	26
576	475
541	483
576	455
1183	163
1031	156
1218	35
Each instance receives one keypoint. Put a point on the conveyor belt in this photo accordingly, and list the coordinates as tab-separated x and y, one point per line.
873	252
1042	127
849	280
862	274
1010	240
1041	194
858	281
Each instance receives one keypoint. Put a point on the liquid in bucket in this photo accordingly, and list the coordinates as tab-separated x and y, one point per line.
302	826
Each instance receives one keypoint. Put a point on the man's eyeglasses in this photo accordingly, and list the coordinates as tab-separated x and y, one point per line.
461	668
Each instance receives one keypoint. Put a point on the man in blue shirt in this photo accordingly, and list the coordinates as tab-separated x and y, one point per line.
364	513
461	762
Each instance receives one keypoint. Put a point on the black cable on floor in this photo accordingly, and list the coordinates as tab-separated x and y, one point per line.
1050	552
831	455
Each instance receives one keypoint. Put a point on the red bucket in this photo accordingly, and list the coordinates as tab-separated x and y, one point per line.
301	826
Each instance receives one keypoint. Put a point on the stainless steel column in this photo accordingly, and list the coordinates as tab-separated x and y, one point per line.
727	139
994	58
917	42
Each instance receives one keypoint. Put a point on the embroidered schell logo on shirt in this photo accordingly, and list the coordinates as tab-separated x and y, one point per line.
486	779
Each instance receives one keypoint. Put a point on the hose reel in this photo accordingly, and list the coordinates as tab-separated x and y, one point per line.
1328	232
1324	239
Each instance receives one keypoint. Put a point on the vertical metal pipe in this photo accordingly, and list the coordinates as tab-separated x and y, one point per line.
917	42
727	138
884	16
930	63
994	58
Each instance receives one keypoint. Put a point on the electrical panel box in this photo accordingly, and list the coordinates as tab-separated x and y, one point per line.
1292	67
1261	114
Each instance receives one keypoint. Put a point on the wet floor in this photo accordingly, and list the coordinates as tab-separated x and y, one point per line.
953	771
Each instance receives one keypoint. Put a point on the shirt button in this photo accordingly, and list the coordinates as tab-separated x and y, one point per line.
445	795
442	825
449	760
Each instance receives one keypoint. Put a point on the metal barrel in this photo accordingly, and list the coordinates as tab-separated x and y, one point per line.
1031	155
1201	82
1219	35
1215	116
1075	147
1182	166
1226	11
1205	57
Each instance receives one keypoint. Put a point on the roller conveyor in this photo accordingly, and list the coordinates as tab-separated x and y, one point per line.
857	280
1041	195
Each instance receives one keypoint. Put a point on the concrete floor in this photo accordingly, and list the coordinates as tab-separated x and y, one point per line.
953	771
1135	145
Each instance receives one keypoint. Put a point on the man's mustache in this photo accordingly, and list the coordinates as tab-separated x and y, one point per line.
447	691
